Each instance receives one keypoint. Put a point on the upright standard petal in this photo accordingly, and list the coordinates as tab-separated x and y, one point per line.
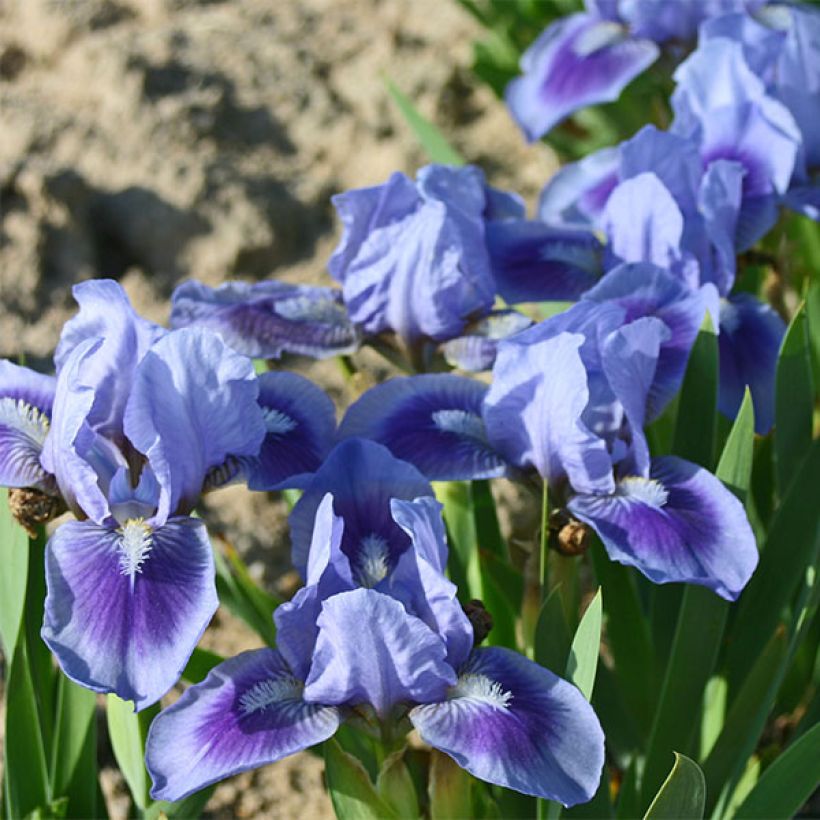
247	713
577	61
26	399
679	525
533	262
749	343
267	319
126	607
193	404
533	412
363	477
511	722
432	421
371	651
300	424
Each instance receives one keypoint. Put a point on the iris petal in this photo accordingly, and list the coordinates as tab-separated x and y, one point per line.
432	421
371	651
511	722
125	608
248	712
679	525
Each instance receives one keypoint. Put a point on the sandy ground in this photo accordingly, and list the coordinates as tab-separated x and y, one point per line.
155	140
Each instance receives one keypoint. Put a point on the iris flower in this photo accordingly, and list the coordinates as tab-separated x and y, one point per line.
377	637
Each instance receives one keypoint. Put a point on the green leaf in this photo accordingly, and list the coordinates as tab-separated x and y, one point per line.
694	652
351	790
794	401
14	561
395	785
788	782
127	730
735	465
184	809
486	520
432	140
683	794
813	313
74	721
746	717
552	639
200	663
450	788
583	654
464	561
628	797
26	773
714	713
696	425
790	548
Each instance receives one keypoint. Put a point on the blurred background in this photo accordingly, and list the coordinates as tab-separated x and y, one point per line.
155	140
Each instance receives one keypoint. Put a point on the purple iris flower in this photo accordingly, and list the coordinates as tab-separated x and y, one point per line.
380	637
139	418
266	319
577	61
475	349
569	398
413	258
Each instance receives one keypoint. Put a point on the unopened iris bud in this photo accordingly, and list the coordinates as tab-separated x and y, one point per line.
33	508
480	620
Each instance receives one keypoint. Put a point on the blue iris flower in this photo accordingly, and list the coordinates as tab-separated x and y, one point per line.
137	424
377	634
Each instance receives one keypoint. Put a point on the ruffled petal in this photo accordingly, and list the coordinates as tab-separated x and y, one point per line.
362	476
749	343
578	61
533	262
533	412
125	608
371	651
26	399
267	319
300	420
511	722
247	713
645	290
432	421
679	525
193	403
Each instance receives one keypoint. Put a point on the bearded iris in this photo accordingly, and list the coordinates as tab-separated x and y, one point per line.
377	637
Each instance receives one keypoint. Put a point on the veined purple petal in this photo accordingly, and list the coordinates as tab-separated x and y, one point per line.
477	348
300	421
577	193
363	477
762	44
328	572
126	607
83	461
511	722
643	222
645	290
432	421
193	403
247	713
630	359
413	258
26	399
749	342
533	262
533	412
577	61
267	319
419	581
679	525
371	651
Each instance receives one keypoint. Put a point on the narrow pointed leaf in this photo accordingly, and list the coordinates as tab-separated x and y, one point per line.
396	787
201	662
450	788
552	637
431	139
76	708
184	809
461	529
787	783
583	655
735	465
794	401
683	793
127	731
14	560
